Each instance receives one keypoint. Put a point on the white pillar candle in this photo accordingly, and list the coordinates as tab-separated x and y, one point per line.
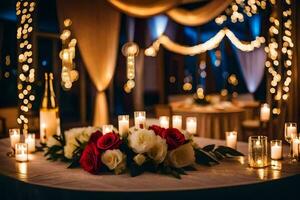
276	149
123	122
296	143
177	121
264	112
191	125
164	121
14	135
231	139
30	141
292	131
140	119
107	129
21	152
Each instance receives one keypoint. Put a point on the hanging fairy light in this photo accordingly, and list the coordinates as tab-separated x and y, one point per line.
67	55
236	10
280	55
130	50
201	48
287	48
24	12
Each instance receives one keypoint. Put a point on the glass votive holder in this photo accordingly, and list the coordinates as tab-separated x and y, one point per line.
276	149
123	122
108	128
30	141
231	139
264	112
258	151
191	125
177	121
295	146
164	121
15	136
140	119
21	152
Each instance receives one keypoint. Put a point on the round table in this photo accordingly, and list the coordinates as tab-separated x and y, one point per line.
212	120
42	179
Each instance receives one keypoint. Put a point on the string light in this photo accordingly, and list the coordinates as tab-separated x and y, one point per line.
24	11
235	12
68	73
130	50
280	55
200	48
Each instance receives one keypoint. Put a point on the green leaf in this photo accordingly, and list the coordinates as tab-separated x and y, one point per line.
228	152
202	157
219	155
74	164
209	147
136	170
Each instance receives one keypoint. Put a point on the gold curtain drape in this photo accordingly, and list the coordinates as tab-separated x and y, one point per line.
199	16
96	27
194	17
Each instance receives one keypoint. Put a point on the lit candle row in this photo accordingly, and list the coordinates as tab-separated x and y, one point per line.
191	123
21	149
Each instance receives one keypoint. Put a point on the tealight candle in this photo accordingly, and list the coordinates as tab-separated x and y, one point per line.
14	135
107	129
140	119
164	121
177	121
296	143
191	125
265	112
258	153
21	152
231	139
291	130
276	149
30	141
123	122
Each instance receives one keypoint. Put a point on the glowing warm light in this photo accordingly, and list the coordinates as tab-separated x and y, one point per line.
200	48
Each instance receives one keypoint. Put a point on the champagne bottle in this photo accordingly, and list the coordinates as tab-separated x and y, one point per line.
49	115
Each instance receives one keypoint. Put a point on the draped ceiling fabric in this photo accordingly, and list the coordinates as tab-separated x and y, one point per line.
96	27
194	17
252	66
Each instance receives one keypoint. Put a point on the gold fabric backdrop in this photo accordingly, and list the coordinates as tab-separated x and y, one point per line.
196	17
96	27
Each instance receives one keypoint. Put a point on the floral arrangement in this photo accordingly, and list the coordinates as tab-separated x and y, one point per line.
155	149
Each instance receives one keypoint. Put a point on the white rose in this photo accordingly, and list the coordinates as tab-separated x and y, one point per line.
187	135
182	156
114	160
82	134
159	151
68	150
139	159
141	140
52	141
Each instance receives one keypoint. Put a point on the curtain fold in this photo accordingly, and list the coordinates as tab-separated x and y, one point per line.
200	15
196	17
252	66
95	25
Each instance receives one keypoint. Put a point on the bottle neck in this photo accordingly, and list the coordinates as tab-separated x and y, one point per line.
49	99
45	97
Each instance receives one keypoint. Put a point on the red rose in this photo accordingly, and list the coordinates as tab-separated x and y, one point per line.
94	137
157	129
90	159
109	141
174	138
